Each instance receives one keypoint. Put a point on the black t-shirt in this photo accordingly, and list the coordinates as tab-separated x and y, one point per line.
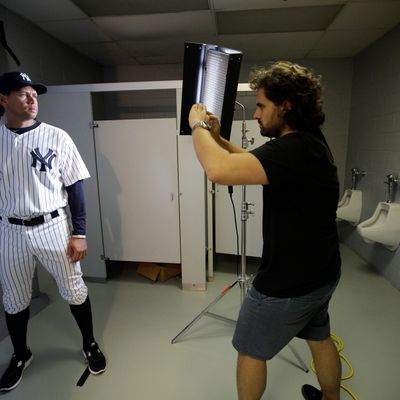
301	246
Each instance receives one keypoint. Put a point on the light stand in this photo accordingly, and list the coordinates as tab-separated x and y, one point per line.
243	279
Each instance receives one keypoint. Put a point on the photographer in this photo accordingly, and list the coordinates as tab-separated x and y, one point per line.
300	264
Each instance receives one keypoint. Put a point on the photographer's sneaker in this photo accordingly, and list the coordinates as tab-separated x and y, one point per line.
311	393
13	374
95	359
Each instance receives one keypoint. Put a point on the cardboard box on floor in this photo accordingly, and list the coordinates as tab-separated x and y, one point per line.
158	272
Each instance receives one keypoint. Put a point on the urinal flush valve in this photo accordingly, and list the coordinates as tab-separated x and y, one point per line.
392	183
356	175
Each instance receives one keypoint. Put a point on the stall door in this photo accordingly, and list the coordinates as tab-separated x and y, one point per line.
72	112
138	184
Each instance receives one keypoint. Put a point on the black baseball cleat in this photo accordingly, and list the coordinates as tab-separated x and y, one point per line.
95	359
13	374
311	393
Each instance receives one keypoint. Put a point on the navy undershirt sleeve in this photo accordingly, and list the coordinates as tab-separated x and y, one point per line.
76	202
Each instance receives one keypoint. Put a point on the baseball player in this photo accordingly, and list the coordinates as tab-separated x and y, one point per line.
41	172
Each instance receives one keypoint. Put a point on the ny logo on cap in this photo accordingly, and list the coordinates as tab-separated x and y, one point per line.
25	77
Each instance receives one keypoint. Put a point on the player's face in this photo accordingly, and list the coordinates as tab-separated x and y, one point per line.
268	116
22	104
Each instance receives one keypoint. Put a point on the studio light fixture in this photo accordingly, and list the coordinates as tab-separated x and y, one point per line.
210	76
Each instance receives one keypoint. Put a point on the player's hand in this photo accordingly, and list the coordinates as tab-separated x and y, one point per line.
76	250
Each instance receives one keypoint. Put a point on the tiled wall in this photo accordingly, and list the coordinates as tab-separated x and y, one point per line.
42	57
336	77
374	141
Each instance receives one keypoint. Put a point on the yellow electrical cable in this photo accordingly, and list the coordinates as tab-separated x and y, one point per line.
340	346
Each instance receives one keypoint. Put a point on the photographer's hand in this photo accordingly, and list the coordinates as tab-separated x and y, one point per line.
198	112
215	127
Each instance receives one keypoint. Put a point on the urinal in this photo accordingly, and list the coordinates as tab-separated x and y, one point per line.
383	227
349	208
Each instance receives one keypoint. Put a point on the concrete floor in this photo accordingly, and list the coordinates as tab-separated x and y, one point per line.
136	319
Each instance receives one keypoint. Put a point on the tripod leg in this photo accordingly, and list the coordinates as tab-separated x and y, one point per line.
187	327
302	365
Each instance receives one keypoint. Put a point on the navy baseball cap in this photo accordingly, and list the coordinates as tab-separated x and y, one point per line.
10	81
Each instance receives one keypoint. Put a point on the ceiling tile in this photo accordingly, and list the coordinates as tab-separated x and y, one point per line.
337	40
157	25
159	60
272	45
75	31
368	15
158	47
96	8
262	4
344	52
105	53
382	2
44	10
296	19
153	31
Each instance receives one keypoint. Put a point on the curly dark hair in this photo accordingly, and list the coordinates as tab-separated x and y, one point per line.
284	80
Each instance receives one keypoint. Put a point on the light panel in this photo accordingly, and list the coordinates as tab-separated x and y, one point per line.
210	76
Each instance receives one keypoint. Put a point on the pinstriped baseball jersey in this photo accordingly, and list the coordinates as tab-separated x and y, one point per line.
34	169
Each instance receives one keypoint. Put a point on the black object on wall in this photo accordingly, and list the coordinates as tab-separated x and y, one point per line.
3	41
210	76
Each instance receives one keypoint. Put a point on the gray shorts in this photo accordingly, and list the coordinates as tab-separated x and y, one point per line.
267	324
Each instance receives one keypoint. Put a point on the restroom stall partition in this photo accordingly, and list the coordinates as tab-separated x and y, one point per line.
146	196
138	188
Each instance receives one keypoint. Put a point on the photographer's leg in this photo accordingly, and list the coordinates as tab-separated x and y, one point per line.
328	367
251	377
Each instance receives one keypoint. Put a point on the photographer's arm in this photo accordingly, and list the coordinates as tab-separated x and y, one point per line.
215	132
230	147
220	165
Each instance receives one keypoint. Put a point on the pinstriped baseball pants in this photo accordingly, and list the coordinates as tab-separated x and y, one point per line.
21	246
